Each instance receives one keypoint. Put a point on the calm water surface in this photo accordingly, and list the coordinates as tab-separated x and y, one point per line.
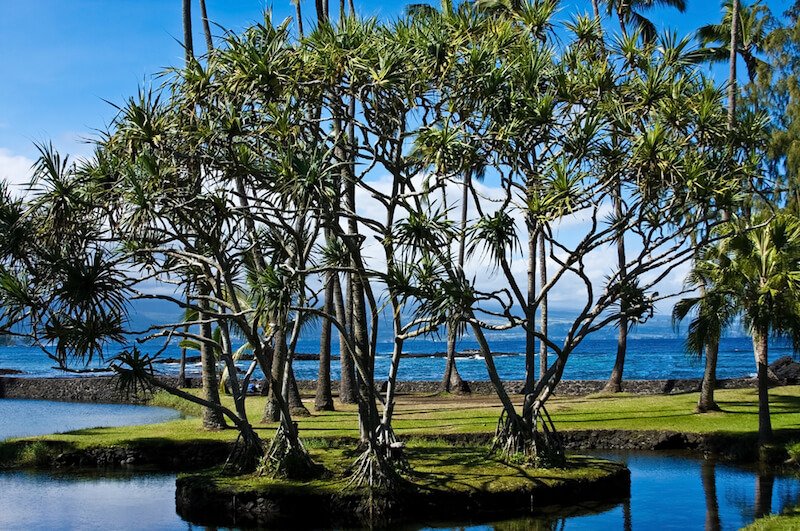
25	418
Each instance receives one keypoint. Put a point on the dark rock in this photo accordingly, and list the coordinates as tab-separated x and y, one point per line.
786	369
10	371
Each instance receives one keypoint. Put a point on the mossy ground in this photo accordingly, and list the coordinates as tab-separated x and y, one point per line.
429	416
442	467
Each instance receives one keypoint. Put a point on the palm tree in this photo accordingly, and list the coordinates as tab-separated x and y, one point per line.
206	26
715	311
749	33
212	418
629	14
760	271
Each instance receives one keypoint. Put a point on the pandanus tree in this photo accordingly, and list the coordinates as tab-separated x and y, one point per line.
665	195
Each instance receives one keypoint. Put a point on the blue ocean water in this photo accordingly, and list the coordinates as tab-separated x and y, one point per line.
655	351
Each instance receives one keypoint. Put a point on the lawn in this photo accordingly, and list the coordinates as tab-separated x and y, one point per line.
437	415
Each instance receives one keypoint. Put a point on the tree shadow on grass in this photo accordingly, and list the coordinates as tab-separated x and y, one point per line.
474	469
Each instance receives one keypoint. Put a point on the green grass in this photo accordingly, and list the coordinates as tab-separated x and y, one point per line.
442	415
789	520
435	468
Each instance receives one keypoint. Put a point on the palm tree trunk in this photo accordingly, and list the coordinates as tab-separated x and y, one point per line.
760	348
732	88
188	46
272	411
765	484
614	384
299	16
347	378
706	402
452	379
296	406
323	399
206	26
182	367
543	307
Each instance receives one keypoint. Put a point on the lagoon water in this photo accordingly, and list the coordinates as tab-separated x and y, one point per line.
667	492
25	418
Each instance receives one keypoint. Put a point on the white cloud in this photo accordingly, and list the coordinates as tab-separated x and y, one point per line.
14	169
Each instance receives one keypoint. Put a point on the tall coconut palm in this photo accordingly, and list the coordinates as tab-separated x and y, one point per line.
714	311
750	34
212	418
206	26
629	14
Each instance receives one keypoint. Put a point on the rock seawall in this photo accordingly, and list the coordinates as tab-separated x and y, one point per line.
101	389
104	389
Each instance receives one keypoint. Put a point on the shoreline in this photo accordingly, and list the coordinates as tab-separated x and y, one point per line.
103	388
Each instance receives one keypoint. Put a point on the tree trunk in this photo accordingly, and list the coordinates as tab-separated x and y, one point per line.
323	399
708	474
347	378
760	338
543	307
530	311
614	384
732	86
299	16
272	411
706	402
212	418
765	483
451	381
206	26
296	406
595	9
188	46
182	367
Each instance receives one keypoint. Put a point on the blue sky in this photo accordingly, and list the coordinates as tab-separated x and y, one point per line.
61	60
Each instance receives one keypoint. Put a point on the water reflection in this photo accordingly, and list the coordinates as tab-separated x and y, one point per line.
673	491
667	492
708	469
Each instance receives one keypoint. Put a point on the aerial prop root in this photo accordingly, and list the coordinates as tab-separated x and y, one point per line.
534	442
247	452
287	457
373	470
393	450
